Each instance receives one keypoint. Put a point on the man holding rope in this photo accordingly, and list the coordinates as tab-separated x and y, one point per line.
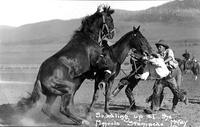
172	80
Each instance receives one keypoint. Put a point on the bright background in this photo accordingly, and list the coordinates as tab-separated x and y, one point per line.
19	12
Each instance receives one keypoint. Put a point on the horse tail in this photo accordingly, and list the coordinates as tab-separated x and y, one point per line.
27	103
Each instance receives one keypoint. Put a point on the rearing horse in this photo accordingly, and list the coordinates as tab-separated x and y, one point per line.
63	73
120	50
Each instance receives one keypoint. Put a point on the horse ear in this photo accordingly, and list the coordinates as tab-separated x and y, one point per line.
108	8
98	8
138	28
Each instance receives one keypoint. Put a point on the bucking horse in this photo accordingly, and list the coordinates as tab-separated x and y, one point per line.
63	73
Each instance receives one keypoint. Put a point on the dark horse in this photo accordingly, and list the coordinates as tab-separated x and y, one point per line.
63	73
120	50
192	65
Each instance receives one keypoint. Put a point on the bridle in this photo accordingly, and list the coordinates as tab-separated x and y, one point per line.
104	31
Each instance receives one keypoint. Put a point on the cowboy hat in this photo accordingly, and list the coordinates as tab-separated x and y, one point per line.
162	43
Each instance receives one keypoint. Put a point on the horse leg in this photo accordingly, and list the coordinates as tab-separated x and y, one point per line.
68	90
95	96
107	96
58	87
194	71
177	74
176	92
46	109
130	95
66	106
156	97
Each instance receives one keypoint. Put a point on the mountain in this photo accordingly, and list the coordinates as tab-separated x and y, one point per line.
175	11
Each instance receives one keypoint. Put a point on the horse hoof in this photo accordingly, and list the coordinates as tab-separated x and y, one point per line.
107	112
85	122
148	111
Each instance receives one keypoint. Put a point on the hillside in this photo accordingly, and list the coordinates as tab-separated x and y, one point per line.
42	32
176	21
175	11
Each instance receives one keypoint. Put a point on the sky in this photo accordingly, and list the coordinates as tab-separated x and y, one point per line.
20	12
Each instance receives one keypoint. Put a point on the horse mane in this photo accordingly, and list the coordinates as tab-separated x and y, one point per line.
87	22
120	40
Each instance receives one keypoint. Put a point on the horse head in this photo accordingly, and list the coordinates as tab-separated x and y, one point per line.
100	24
140	43
106	21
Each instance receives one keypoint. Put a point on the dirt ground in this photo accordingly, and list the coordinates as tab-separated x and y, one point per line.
187	116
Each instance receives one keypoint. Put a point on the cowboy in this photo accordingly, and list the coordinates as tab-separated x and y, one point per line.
186	60
173	80
130	81
168	55
186	55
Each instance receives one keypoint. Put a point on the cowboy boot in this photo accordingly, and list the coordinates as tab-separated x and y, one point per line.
117	89
131	99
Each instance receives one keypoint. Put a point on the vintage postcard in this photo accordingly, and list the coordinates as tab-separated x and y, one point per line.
100	63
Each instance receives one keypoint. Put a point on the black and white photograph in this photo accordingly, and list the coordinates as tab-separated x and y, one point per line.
100	63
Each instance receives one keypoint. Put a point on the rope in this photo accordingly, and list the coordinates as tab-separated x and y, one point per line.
134	71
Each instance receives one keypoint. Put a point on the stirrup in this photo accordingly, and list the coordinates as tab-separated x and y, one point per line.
102	85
